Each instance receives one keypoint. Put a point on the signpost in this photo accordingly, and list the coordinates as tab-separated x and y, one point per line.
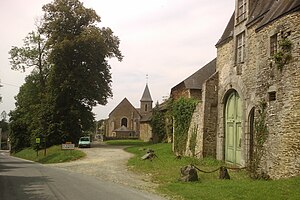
68	146
37	141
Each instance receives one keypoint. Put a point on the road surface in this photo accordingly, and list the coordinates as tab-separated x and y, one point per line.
22	180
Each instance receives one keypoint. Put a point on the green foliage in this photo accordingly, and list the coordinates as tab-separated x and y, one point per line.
164	171
284	55
158	123
261	135
54	155
71	75
182	111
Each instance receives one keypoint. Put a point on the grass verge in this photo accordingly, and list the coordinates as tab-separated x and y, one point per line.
126	142
54	154
165	171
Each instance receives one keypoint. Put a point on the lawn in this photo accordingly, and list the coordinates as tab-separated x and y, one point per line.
54	154
165	171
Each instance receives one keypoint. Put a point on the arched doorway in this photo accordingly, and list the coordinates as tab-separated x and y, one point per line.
233	128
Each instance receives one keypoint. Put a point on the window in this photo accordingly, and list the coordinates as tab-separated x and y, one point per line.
241	10
146	107
273	44
240	48
272	96
124	122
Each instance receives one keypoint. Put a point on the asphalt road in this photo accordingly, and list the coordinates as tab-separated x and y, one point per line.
22	180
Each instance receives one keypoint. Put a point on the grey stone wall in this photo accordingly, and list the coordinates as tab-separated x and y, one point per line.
253	80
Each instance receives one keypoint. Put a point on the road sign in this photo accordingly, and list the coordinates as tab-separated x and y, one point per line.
38	140
67	146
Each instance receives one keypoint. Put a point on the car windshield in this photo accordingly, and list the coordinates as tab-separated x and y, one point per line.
84	139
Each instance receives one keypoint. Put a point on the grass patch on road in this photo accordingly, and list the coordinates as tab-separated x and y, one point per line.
54	154
164	170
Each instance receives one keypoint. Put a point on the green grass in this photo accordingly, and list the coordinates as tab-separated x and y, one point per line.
165	171
126	142
54	154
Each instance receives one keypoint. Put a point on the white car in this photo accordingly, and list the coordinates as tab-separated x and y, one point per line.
84	142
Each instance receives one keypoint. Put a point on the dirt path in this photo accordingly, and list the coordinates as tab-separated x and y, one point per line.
108	163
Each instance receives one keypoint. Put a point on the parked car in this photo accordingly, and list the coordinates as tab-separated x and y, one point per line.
84	142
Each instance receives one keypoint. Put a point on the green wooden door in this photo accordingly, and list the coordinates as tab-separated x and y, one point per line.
233	130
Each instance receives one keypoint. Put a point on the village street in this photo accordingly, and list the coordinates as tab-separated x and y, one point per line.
106	162
101	175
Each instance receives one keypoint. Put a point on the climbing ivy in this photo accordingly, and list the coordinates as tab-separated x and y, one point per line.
261	135
283	56
182	111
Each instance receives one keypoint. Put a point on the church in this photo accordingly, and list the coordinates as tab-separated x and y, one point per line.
125	121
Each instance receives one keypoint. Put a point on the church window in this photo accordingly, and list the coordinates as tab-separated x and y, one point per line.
240	48
124	122
273	44
241	10
146	107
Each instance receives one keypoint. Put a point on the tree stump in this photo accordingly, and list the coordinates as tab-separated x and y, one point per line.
188	174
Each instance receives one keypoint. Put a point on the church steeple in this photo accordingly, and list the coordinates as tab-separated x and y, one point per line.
146	101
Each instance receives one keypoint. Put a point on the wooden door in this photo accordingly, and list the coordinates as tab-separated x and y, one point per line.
233	130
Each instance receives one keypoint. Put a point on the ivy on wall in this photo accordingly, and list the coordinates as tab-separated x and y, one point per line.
283	56
161	121
182	111
261	135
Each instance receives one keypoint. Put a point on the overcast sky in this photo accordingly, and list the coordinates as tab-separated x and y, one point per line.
167	39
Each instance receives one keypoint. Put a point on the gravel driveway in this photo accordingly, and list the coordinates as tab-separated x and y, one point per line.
108	163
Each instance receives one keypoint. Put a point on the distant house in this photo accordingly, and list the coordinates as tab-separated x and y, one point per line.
126	121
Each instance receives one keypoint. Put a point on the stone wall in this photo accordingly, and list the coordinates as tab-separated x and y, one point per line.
282	148
145	132
210	114
253	80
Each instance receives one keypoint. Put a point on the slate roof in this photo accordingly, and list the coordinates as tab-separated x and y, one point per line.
279	9
196	80
228	32
263	12
146	95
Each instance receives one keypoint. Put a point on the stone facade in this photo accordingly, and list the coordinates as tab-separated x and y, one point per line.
131	119
246	77
256	80
126	121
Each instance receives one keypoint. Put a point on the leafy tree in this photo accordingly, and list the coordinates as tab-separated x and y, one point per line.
80	77
69	55
24	120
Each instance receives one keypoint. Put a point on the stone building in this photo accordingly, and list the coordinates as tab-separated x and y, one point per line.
256	90
255	87
126	121
202	85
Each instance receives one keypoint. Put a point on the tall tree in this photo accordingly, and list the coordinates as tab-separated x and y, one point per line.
80	77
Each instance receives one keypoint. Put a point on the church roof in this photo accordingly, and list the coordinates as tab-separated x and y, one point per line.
196	80
124	102
146	95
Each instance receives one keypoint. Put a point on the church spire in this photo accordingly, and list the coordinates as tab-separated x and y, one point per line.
146	101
